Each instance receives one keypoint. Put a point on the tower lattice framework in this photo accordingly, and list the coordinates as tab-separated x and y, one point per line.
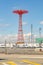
20	39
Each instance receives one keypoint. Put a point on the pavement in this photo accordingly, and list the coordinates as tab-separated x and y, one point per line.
17	59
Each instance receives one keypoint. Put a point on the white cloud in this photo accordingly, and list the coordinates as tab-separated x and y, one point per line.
4	25
24	23
28	34
13	37
10	36
35	35
16	8
41	22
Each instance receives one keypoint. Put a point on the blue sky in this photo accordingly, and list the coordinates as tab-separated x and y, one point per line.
9	21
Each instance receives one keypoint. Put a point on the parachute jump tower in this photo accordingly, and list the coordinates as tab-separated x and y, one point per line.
20	31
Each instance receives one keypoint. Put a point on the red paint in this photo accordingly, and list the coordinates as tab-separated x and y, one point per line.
20	31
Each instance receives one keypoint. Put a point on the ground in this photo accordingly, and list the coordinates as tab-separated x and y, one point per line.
17	59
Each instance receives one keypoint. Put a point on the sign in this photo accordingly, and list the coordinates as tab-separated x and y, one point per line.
39	40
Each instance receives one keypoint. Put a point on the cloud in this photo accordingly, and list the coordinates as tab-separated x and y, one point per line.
13	37
41	22
24	23
16	8
4	25
28	34
35	36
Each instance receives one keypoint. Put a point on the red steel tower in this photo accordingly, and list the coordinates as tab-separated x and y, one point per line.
20	31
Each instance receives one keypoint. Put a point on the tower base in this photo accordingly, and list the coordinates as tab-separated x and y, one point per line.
20	43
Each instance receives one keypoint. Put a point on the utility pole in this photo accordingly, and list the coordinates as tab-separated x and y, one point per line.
5	48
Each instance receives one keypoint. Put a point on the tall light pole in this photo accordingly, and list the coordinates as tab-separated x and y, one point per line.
40	37
40	32
31	33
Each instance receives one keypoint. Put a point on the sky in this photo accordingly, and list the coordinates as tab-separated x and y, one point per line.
9	20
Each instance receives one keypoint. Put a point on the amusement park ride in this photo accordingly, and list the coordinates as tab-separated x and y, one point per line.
20	31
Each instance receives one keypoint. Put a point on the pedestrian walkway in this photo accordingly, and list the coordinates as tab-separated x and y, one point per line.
30	62
20	62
